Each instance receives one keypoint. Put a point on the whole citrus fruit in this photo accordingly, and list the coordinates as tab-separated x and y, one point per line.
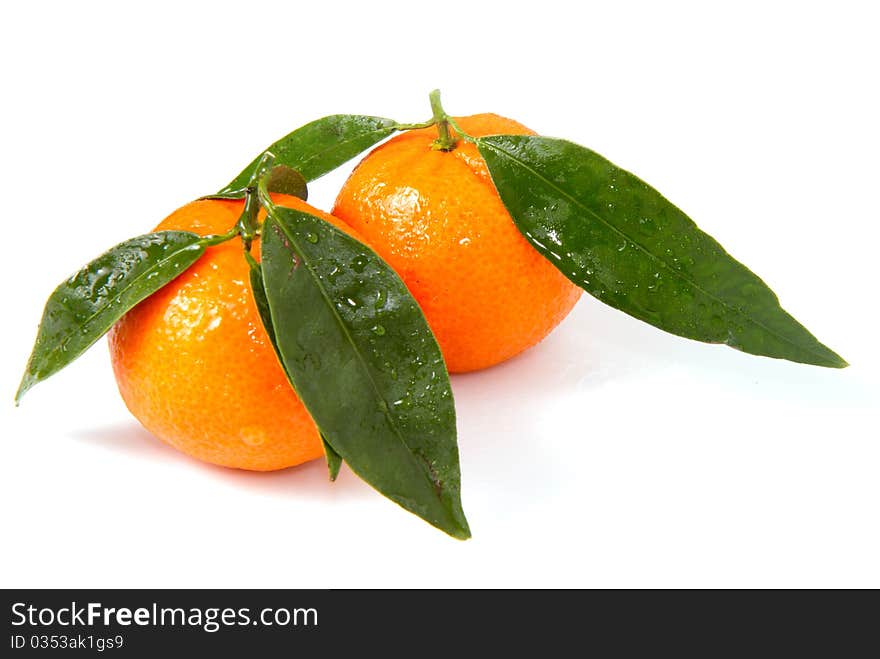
436	218
195	366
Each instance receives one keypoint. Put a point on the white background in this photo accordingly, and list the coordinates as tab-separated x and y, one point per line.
612	454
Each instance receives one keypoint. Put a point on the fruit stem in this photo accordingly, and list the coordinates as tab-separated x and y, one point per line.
445	141
466	136
247	222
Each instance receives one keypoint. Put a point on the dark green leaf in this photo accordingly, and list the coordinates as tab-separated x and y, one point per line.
85	307
334	460
262	304
364	363
319	147
621	241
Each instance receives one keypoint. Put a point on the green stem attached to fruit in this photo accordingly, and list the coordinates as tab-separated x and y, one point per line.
445	141
247	224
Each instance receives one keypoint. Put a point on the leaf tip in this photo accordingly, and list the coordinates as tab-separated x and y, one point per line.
831	359
27	381
455	524
461	531
334	460
839	362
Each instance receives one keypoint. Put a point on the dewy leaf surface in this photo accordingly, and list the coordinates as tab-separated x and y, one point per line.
83	308
624	243
334	460
318	147
365	364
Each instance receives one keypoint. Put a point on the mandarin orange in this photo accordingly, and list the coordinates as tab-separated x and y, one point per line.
436	218
194	364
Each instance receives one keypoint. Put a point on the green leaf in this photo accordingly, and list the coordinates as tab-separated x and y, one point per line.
318	147
624	243
364	363
82	309
262	304
334	460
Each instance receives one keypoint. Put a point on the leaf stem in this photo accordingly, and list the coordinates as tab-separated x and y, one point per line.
445	141
251	261
467	137
424	124
262	192
217	238
247	224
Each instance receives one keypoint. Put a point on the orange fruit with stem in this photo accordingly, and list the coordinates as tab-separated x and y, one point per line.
194	364
434	215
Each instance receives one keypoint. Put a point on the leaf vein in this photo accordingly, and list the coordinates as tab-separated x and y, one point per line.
121	292
337	146
653	256
375	386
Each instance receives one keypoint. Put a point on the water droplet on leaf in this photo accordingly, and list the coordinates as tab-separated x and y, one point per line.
359	263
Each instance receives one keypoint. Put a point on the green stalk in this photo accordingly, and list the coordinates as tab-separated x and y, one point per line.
445	141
